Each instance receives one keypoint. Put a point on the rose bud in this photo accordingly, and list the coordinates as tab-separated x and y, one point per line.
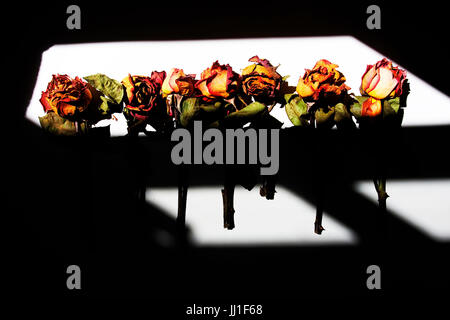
177	82
66	97
143	94
261	80
323	79
219	81
371	107
382	80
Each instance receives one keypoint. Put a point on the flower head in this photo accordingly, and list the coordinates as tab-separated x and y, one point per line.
218	81
324	80
383	80
66	97
261	80
178	82
143	94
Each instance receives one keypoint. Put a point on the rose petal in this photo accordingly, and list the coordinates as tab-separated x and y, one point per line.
218	85
202	86
367	78
129	87
157	77
185	85
385	85
45	102
304	89
65	109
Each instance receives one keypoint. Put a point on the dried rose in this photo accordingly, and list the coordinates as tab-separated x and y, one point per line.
380	81
178	82
67	97
261	80
219	81
322	80
383	80
143	94
371	107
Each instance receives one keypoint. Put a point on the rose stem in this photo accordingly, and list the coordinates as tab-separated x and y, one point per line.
182	199
268	188
271	106
242	100
268	184
228	208
318	228
380	187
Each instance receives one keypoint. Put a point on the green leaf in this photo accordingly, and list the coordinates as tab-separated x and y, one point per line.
190	108
324	117
211	107
391	106
246	114
195	109
341	113
54	124
392	112
355	108
104	106
288	96
296	110
111	88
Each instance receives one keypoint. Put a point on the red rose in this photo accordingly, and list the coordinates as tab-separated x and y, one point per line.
143	94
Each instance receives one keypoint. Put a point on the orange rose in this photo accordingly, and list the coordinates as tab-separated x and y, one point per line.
322	80
177	82
261	80
371	107
219	81
66	97
382	80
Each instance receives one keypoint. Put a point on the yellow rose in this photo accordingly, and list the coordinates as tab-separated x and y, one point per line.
322	79
260	80
219	81
178	82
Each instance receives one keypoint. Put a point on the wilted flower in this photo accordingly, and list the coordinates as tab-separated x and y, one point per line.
219	81
178	82
143	94
261	80
66	97
371	107
382	80
322	80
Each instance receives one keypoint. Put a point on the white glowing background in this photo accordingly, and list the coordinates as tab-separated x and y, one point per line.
426	105
287	219
424	204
